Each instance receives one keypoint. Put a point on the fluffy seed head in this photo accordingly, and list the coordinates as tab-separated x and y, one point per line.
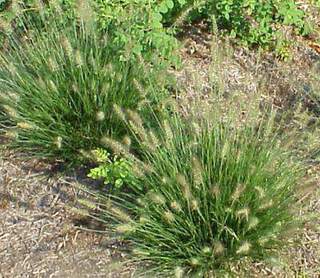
194	204
244	248
184	186
266	205
120	214
53	86
116	147
58	142
10	111
118	111
178	272
260	191
215	191
53	65
126	141
124	228
206	250
253	222
218	248
167	130
143	219
238	191
157	198
87	204
24	125
168	216
197	171
78	58
11	134
176	206
243	213
154	141
5	26
100	116
66	45
194	262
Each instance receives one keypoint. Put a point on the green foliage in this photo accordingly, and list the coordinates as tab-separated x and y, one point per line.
212	189
58	86
138	23
114	171
254	22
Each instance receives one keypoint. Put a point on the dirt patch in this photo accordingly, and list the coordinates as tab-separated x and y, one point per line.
38	233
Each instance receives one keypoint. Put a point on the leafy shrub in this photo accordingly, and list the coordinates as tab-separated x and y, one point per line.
210	190
59	85
254	22
140	24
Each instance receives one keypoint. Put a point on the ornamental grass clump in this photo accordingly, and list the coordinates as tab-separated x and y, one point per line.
58	84
211	190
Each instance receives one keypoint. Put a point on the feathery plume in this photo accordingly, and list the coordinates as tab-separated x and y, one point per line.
168	216
66	45
167	130
53	65
154	141
218	248
58	142
215	191
78	211
194	205
118	111
11	134
53	86
206	250
143	219
78	58
253	222
178	272
84	11
194	262
238	191
120	214
125	228
157	198
116	147
244	248
197	171
87	204
100	116
176	206
184	186
24	125
10	111
260	191
243	213
126	141
5	26
266	205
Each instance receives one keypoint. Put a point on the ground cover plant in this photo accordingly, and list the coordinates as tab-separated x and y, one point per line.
210	190
59	84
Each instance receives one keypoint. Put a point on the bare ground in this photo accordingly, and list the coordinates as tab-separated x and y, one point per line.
39	236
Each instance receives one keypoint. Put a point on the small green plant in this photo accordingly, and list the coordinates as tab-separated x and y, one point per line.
58	85
210	189
115	171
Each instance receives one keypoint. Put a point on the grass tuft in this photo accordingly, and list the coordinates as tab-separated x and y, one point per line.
214	196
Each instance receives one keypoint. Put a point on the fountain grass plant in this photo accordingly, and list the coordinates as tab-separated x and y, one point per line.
211	189
58	84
